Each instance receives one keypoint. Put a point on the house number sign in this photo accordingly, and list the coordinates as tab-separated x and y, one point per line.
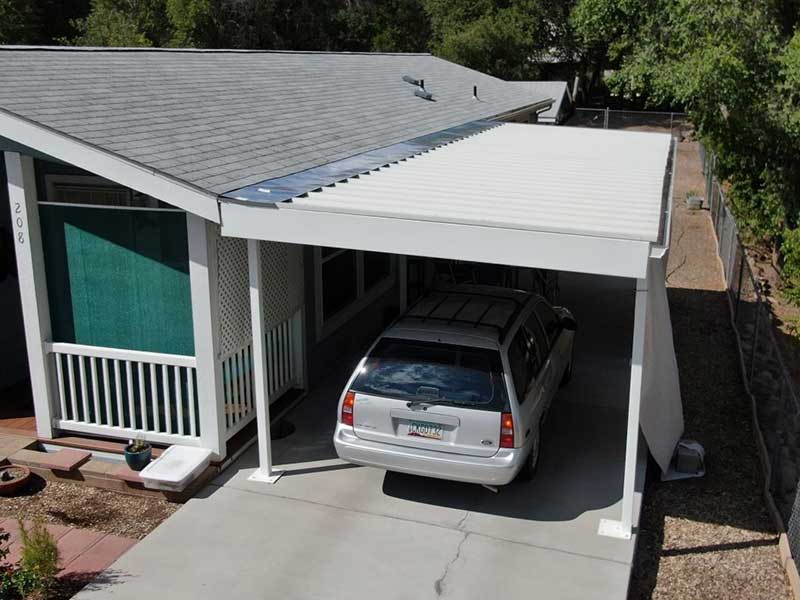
19	222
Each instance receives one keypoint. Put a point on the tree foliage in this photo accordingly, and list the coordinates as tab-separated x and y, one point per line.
507	38
735	67
40	22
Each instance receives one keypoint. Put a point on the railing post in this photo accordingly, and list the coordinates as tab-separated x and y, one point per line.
32	284
205	319
605	119
298	348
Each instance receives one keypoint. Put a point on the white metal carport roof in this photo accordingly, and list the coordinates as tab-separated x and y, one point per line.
517	194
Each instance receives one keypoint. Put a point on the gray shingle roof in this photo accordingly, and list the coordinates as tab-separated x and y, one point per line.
221	120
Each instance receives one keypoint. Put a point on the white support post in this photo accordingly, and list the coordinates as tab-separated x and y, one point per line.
205	318
264	473
624	527
32	283
402	281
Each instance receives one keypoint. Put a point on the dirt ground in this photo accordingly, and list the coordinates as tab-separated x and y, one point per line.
88	507
711	537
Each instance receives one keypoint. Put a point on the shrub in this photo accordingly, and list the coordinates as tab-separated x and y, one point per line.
37	569
790	251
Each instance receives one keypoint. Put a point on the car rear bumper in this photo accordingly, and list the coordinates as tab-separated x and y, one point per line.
499	469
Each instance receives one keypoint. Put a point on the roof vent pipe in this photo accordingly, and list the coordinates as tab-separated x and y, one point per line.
423	93
411	80
475	92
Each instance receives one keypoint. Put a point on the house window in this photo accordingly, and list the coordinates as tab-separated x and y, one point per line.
346	281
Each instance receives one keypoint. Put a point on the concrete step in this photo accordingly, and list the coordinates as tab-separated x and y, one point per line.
93	445
63	460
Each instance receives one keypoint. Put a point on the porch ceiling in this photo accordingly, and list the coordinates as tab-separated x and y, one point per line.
560	198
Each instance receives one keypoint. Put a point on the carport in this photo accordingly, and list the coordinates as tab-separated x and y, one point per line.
570	200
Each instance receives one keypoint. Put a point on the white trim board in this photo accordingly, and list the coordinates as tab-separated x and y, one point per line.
496	245
110	166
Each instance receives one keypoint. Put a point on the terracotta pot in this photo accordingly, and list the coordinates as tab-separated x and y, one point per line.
8	488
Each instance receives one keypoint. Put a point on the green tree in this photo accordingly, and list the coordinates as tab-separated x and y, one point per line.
40	22
192	23
504	38
735	67
127	23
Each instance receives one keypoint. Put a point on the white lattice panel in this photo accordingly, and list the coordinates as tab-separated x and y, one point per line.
234	293
282	280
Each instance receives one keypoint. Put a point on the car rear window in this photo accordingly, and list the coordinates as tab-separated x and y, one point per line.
445	373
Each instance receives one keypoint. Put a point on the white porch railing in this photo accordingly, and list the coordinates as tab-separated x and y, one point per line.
284	368
125	393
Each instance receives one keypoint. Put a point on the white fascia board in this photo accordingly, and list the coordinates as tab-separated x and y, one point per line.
110	166
496	245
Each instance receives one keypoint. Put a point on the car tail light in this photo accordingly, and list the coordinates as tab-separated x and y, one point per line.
506	430
347	408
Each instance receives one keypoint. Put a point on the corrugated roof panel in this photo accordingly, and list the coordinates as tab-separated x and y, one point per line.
576	181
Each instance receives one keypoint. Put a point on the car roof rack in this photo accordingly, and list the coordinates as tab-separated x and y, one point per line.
502	330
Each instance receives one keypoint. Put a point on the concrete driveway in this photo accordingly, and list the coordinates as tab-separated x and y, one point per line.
332	530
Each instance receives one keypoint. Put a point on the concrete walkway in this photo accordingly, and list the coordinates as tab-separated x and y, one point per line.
330	530
83	553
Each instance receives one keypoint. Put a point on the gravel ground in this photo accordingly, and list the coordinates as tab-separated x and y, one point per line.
712	537
89	508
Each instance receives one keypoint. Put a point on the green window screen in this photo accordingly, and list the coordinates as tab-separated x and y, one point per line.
118	278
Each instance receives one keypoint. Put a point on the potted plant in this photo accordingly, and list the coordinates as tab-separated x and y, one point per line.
138	454
694	201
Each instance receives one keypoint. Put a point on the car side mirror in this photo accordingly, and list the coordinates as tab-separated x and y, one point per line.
569	323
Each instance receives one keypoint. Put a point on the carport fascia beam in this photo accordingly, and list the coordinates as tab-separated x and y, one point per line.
497	245
624	527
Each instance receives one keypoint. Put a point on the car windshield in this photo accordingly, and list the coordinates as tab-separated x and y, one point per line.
432	372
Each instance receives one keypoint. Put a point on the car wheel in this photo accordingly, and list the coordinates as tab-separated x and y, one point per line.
529	468
567	373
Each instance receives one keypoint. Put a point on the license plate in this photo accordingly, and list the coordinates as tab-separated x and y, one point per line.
432	431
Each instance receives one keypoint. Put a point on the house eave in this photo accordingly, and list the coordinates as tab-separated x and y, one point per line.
106	164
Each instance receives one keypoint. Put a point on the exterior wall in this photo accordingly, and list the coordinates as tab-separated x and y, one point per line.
352	337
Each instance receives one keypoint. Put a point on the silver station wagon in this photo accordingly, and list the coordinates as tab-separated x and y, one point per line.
458	387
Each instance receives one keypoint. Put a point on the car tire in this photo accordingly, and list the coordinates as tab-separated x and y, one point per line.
528	470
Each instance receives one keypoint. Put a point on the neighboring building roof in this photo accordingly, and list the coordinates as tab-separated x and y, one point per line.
221	120
557	90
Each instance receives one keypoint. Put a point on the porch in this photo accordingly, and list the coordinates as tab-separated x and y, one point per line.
137	314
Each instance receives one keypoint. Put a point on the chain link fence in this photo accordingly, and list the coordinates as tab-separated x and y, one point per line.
636	120
765	373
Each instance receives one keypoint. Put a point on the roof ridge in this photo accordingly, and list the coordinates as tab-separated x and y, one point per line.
197	50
